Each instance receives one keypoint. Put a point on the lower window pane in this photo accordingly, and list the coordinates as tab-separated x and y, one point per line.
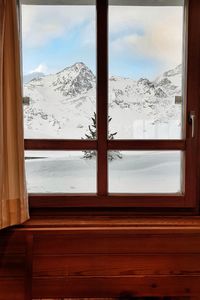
145	171
61	171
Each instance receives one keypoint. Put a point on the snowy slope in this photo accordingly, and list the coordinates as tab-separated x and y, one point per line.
62	105
29	77
136	172
148	109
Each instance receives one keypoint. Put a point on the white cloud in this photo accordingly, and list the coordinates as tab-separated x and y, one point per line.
147	32
41	68
41	24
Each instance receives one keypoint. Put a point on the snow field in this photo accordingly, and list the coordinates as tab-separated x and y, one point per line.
136	172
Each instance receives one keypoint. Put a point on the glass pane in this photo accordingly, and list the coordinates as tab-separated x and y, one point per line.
60	172
146	69
145	171
59	67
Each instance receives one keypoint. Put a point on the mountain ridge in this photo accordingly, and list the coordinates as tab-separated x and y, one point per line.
65	101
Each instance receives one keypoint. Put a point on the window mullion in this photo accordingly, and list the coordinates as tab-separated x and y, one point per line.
102	94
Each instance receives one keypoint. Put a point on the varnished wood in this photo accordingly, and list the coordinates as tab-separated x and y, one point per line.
49	144
111	200
113	286
11	242
29	264
88	220
102	95
12	265
12	289
115	265
125	297
102	257
147	145
114	244
193	78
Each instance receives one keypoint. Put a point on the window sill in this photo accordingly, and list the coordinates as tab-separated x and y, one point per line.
95	224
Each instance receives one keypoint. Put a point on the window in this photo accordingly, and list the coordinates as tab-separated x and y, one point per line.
110	102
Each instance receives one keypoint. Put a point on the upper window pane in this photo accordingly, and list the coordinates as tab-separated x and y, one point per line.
59	69
146	69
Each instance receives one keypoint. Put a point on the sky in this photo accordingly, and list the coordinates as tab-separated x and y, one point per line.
143	41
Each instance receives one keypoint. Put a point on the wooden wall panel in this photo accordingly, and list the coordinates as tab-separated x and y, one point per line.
12	265
115	265
12	242
90	287
89	262
133	298
12	289
124	298
108	243
108	264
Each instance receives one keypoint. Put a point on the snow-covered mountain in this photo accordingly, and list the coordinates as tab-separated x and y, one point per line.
74	80
30	76
62	104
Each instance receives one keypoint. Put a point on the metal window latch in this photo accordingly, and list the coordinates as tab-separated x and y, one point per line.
192	118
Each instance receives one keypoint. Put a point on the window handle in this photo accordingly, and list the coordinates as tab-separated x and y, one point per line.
192	119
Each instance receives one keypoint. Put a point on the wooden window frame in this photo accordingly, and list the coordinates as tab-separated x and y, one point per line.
187	202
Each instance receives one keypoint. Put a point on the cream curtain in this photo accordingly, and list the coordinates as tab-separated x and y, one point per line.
13	195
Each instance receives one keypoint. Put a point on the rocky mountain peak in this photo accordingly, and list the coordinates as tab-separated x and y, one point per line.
78	66
74	80
75	69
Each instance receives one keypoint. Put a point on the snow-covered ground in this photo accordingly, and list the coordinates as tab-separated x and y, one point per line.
136	172
146	172
60	173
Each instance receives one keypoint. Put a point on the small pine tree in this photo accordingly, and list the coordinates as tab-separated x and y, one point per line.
92	129
92	135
